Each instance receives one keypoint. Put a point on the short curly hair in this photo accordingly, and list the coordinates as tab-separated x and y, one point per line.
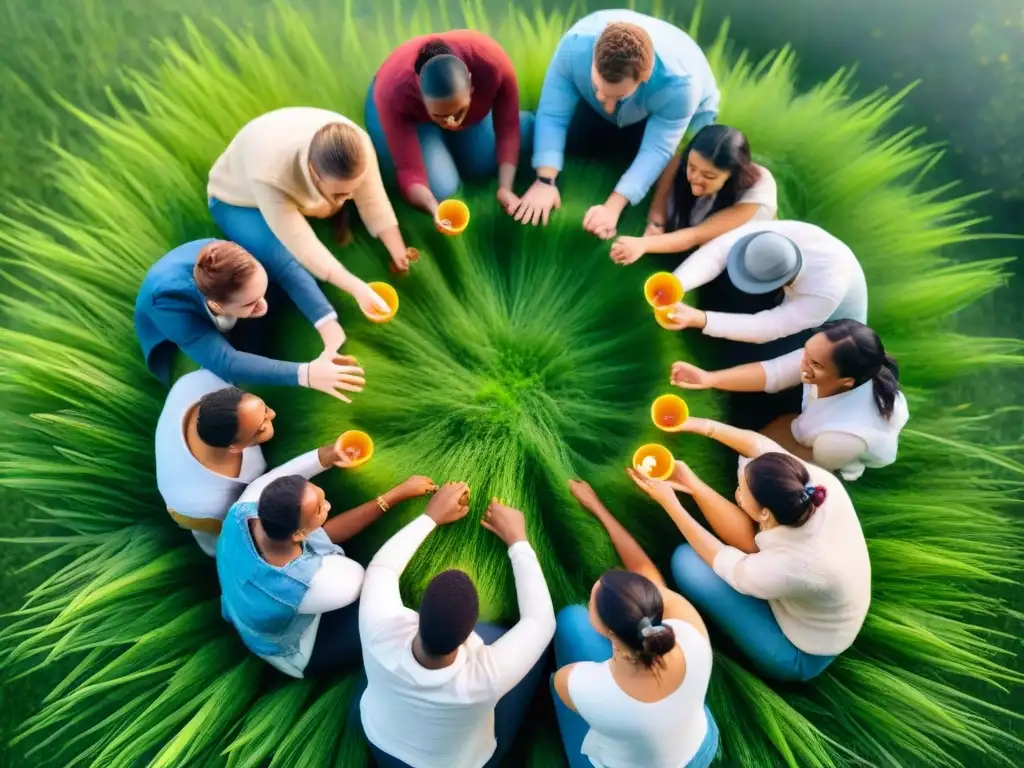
624	51
221	269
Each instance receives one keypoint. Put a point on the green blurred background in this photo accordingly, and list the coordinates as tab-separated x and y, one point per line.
968	57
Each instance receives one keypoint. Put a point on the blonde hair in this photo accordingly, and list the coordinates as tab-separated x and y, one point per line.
221	270
338	151
624	51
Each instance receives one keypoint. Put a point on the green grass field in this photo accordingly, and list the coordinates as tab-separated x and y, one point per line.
132	187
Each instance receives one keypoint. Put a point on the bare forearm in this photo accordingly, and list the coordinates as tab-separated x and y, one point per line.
705	543
744	441
422	198
658	212
616	202
629	551
741	378
392	239
343	527
731	523
547	173
506	176
670	242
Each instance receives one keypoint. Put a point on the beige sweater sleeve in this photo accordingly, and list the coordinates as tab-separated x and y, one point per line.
293	230
371	198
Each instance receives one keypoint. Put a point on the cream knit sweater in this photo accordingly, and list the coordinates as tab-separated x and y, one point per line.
816	578
266	166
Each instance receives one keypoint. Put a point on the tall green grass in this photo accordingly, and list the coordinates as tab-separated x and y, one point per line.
517	359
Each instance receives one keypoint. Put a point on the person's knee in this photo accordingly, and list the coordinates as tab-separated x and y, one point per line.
692	575
571	621
445	183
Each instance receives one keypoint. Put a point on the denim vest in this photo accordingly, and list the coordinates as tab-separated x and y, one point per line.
260	599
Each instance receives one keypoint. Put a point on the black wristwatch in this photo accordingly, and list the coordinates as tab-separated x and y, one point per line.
549	180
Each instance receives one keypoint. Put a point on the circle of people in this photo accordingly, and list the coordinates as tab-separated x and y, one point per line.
784	571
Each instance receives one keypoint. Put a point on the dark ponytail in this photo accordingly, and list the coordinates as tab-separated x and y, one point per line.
631	606
780	483
857	353
728	150
442	74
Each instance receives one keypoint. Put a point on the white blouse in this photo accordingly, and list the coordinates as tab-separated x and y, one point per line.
625	732
844	430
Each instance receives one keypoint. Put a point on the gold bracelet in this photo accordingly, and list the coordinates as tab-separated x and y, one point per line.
384	506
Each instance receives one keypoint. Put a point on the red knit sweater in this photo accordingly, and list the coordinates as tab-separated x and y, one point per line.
400	106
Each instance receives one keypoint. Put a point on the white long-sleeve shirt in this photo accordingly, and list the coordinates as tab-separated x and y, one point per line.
442	718
830	285
337	582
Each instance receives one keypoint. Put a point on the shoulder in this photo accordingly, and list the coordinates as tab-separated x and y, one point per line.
696	647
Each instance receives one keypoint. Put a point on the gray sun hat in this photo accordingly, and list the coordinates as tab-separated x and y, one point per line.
764	261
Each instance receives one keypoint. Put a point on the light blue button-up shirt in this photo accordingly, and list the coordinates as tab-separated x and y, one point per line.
681	92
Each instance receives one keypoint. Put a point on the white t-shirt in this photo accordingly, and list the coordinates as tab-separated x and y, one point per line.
829	286
442	718
187	487
762	193
625	732
816	578
844	430
337	582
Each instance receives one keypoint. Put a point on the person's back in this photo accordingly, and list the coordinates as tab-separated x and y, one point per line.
663	733
443	691
829	268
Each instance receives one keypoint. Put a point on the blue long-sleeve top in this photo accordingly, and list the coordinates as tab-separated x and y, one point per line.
170	310
680	93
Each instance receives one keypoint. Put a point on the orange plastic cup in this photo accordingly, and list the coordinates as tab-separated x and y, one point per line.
669	412
663	289
661	317
662	465
356	446
390	296
452	217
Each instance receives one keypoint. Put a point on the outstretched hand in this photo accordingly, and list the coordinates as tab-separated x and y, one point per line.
507	523
659	490
450	504
331	373
536	205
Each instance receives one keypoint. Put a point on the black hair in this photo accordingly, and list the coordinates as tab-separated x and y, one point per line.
728	150
781	483
631	606
857	352
280	506
442	74
449	610
217	417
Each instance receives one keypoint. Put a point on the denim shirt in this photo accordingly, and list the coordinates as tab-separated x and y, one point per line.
680	93
262	600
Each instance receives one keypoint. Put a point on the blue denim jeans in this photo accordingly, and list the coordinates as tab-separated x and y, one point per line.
748	621
576	640
508	713
449	156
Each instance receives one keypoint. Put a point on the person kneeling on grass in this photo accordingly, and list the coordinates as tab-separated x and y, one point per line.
787	577
852	410
709	189
818	275
199	291
634	667
297	162
286	585
620	84
442	107
442	690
